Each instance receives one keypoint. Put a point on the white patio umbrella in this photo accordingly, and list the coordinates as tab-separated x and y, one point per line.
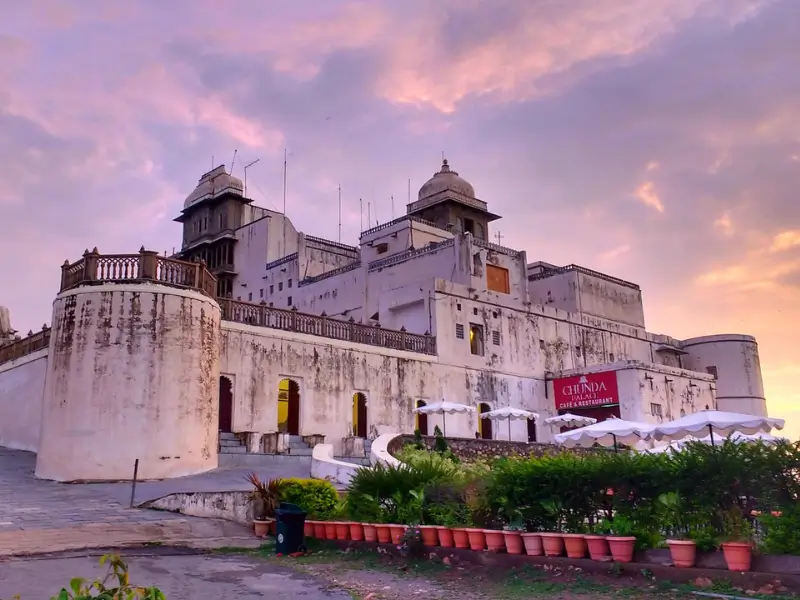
510	413
443	408
610	432
570	420
739	438
715	422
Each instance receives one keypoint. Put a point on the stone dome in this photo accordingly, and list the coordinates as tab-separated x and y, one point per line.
213	184
446	179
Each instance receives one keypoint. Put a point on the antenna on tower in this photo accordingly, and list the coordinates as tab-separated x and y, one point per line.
340	213
284	201
233	160
392	207
247	166
369	214
212	162
361	212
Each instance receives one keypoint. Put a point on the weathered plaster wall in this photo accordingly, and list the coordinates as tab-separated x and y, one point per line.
735	358
578	292
21	391
133	373
398	237
329	372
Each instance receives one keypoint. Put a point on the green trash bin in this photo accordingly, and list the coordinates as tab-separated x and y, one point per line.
290	522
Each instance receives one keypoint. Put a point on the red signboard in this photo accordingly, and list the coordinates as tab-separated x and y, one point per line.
586	391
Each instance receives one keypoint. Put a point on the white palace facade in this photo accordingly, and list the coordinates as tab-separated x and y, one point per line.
283	339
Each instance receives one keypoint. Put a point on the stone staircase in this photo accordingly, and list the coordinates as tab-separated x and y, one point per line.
362	460
230	444
233	454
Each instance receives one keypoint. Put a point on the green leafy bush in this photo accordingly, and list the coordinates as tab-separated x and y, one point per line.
781	531
114	586
381	494
315	496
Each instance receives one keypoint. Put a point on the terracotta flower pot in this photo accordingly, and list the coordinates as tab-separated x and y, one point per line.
598	546
261	527
356	532
621	548
477	539
683	553
738	555
575	543
460	538
445	537
384	534
370	533
533	544
330	530
430	535
308	529
397	532
273	527
513	541
495	540
553	544
342	531
319	530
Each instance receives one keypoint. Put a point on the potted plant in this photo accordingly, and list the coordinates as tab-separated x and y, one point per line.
265	497
596	541
738	535
552	540
342	526
682	548
444	517
622	540
512	535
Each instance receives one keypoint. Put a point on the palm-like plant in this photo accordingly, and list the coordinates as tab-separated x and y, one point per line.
266	495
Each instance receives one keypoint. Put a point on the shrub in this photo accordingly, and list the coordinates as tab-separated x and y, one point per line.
781	533
380	494
315	496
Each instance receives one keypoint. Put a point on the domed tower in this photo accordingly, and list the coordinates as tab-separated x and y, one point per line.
210	216
449	201
733	360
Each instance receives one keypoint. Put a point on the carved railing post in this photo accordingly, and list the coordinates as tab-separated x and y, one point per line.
324	324
403	338
294	319
148	264
352	328
90	265
262	313
64	269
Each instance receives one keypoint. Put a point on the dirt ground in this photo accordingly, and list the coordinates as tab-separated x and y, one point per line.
370	575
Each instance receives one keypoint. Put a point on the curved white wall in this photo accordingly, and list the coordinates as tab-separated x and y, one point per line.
133	372
739	384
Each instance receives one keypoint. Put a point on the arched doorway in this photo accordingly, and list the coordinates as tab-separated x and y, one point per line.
420	420
225	404
484	425
531	431
289	407
359	415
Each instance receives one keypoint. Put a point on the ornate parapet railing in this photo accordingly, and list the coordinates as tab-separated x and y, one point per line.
146	266
394	259
323	326
27	345
309	280
496	247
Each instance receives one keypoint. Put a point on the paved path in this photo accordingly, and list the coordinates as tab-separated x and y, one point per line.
41	516
179	577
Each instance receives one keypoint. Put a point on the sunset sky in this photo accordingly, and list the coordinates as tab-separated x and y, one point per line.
656	140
